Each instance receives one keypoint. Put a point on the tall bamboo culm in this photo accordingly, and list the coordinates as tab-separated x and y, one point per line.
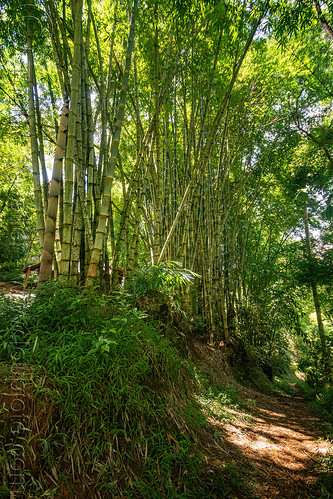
106	199
54	191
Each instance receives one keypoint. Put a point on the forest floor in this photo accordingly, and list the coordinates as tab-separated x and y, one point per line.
278	444
279	448
14	290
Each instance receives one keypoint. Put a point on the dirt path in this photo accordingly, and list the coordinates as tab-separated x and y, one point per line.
279	449
11	289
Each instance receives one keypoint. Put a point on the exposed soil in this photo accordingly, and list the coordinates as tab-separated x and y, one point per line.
279	448
11	289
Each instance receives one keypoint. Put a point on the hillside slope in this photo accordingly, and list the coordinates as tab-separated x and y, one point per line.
101	405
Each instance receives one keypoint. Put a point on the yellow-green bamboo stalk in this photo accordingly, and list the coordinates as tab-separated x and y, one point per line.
101	227
33	141
54	191
71	144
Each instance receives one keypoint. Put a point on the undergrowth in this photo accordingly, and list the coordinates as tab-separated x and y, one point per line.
12	272
220	401
326	476
111	403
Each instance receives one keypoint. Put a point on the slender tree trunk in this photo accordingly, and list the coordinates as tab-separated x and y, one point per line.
323	19
321	330
45	271
33	141
71	145
41	146
205	151
101	228
157	176
76	242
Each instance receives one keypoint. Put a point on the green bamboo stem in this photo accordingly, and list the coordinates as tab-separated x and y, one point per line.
71	145
101	226
45	271
33	140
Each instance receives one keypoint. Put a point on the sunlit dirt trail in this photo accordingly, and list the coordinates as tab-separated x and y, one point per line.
280	449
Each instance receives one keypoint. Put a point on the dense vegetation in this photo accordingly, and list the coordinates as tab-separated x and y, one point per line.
189	146
117	410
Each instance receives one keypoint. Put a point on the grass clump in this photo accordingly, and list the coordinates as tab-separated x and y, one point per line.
110	409
219	401
288	383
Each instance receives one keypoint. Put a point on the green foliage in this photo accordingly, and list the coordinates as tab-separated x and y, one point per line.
12	272
165	277
113	384
292	18
158	288
15	16
237	227
326	476
323	404
219	401
291	384
16	218
310	355
12	326
116	398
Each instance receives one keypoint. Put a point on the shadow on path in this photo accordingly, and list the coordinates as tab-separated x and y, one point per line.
280	449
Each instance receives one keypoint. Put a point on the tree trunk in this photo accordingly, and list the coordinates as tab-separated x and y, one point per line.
101	228
45	271
33	141
321	330
71	145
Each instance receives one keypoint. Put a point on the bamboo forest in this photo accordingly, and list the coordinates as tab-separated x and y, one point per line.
166	249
